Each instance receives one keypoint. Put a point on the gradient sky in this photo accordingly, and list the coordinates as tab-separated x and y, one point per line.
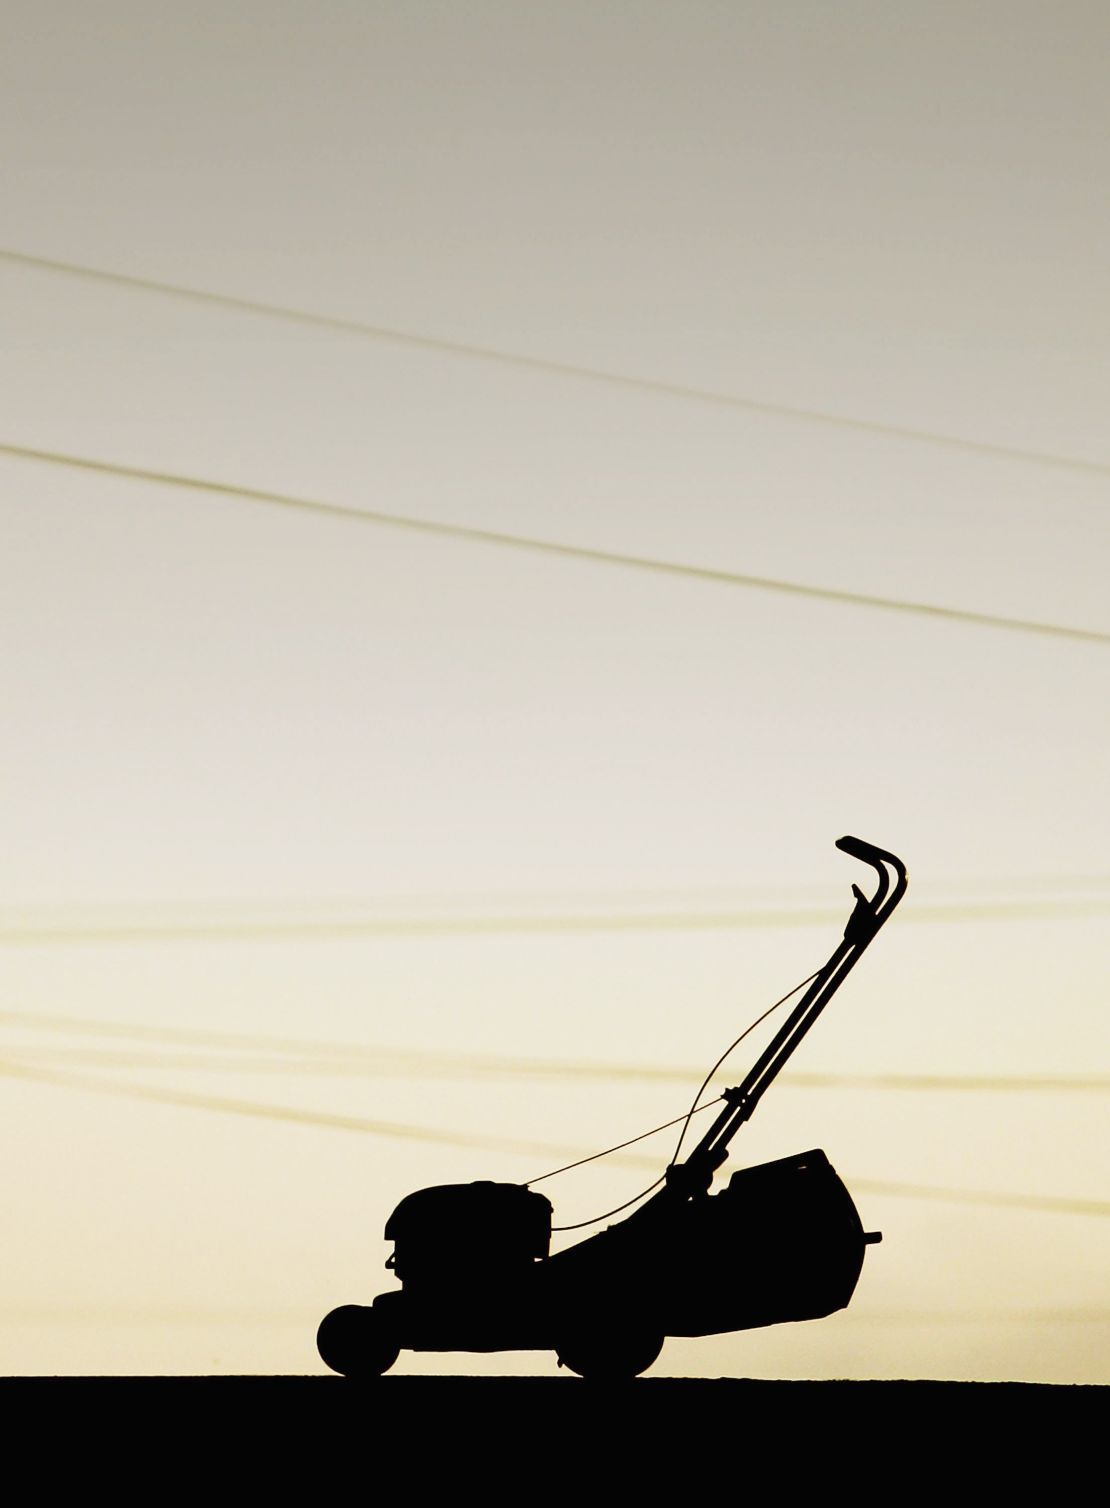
273	777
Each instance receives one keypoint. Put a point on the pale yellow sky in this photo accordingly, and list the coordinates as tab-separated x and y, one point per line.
220	711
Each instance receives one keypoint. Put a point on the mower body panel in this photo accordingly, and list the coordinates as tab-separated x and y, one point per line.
781	1242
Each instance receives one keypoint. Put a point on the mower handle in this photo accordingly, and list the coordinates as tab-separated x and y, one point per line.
876	857
861	850
868	916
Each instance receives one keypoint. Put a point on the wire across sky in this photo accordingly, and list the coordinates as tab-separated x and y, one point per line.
475	352
21	928
207	1050
1047	1204
475	535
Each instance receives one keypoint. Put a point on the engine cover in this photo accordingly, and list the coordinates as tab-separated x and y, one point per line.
458	1231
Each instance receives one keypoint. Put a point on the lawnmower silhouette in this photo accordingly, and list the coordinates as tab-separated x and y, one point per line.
782	1242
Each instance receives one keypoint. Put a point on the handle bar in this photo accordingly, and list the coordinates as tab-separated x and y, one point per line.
866	919
866	851
877	858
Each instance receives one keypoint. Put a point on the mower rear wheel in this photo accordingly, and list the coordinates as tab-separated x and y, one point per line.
353	1341
610	1356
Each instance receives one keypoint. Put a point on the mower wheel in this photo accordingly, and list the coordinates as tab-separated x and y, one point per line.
610	1355
353	1341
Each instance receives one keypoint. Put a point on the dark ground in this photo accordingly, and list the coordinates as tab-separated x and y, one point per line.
502	1439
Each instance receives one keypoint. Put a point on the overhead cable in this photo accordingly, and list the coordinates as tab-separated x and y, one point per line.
566	369
476	535
1047	1204
257	1053
24	927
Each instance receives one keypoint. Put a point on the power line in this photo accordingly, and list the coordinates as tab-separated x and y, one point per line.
1020	896
964	1083
300	1057
689	895
20	929
161	1096
1047	1204
476	535
522	362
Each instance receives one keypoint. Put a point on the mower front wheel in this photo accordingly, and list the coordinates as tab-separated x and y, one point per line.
610	1356
353	1341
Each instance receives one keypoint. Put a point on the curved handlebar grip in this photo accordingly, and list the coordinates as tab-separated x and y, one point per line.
877	858
869	853
858	849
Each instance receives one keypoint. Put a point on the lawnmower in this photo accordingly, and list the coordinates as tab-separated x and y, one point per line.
781	1242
